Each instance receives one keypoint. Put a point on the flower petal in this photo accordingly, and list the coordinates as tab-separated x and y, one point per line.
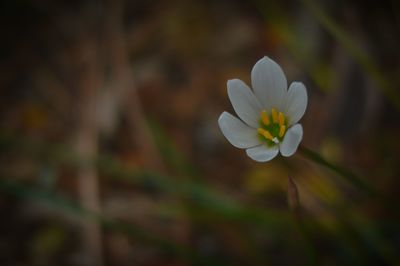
292	140
244	102
262	153
296	102
238	133
269	83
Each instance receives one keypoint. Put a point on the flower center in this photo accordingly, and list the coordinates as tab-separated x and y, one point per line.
272	127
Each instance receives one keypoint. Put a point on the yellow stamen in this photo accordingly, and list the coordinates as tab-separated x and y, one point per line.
281	119
265	118
264	133
275	118
282	130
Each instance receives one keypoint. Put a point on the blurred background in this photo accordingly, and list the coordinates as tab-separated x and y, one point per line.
111	153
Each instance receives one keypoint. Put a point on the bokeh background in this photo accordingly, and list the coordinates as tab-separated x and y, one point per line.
111	153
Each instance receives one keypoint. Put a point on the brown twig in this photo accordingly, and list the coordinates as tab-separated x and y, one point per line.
124	85
86	144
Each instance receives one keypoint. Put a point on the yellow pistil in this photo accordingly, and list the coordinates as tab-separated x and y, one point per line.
265	118
282	130
281	119
265	133
275	117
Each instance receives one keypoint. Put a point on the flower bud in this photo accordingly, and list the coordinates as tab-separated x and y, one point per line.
292	194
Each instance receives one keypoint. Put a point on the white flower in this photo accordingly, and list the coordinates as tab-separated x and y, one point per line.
269	114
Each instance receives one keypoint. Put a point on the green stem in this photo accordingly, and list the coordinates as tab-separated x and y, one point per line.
343	172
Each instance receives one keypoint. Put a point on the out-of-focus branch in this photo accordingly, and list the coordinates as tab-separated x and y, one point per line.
359	55
124	86
86	144
98	107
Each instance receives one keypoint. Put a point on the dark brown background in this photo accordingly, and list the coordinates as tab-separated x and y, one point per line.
112	106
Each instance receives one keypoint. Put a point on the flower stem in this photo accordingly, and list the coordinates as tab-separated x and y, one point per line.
343	172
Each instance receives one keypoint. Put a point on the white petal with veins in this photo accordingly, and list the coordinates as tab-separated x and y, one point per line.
244	102
262	153
269	83
291	140
296	102
238	133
